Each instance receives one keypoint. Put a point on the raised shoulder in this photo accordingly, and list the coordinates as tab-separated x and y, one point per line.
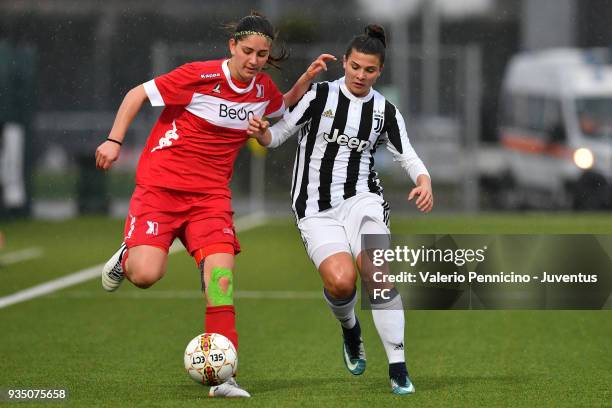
265	80
206	71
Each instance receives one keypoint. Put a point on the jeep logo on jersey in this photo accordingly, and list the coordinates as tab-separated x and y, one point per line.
227	112
350	141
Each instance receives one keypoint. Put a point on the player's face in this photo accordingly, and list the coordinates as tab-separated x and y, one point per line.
249	55
361	72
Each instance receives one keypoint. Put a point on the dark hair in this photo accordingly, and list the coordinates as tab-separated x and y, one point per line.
372	42
257	23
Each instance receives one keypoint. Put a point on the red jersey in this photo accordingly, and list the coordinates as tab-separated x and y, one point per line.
196	139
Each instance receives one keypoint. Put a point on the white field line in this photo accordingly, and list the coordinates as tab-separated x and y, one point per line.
20	255
242	224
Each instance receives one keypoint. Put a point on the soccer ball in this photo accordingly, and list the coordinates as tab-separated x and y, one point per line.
210	359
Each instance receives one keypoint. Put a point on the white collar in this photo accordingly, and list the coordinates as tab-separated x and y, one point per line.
352	97
228	76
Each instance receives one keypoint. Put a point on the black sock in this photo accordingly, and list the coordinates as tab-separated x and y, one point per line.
398	372
352	336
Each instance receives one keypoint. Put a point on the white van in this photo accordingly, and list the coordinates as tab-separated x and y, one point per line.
556	129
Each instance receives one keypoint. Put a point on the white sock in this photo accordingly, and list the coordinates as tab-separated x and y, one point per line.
389	321
343	309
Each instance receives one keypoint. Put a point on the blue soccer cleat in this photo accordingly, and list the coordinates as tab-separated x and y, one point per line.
400	387
354	358
353	351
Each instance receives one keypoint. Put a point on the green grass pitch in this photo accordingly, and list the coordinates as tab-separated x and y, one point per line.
125	349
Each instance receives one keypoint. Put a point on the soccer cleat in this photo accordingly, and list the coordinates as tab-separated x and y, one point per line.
402	386
353	351
229	389
112	273
354	358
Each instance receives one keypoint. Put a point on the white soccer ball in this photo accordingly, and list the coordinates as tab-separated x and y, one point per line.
210	359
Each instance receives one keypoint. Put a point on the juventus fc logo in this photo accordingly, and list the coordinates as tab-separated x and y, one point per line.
260	90
378	121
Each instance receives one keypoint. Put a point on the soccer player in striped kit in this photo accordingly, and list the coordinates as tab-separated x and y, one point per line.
182	180
336	194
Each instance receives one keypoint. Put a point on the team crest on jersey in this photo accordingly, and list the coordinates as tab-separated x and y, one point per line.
260	90
379	120
328	114
217	88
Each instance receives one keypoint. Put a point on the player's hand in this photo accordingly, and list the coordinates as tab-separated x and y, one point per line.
424	194
257	127
319	65
106	154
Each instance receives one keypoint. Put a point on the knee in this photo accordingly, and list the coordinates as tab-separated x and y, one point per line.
143	275
341	288
341	283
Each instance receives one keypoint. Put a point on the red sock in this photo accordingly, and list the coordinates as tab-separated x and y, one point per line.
222	320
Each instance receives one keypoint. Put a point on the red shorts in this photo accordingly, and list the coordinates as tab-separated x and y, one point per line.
157	216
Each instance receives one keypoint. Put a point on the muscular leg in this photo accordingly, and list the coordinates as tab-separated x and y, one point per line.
338	274
144	265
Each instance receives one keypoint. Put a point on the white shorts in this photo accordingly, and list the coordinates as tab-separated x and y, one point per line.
340	229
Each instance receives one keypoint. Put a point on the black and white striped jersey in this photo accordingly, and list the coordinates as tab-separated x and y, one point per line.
338	136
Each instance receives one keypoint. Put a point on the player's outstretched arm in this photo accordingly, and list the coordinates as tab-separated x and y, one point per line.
303	83
274	136
108	152
259	129
424	194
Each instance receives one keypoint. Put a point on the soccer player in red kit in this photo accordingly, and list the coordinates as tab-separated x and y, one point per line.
182	179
